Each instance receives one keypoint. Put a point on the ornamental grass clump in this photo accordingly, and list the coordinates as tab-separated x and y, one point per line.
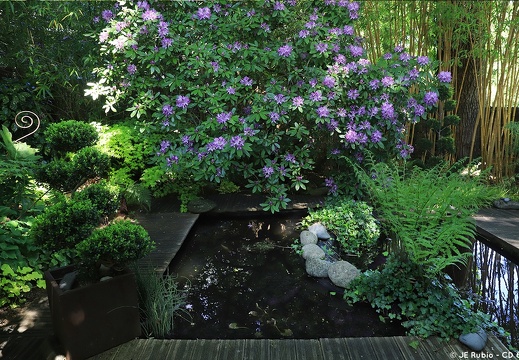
264	92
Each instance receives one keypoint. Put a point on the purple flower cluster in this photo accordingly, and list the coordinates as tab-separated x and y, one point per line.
182	101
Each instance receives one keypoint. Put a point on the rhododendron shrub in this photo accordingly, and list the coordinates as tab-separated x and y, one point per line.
259	90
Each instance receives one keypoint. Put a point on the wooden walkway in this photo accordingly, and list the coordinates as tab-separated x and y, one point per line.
500	228
168	230
372	348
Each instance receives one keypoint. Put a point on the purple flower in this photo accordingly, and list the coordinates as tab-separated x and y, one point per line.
430	98
132	69
313	82
183	101
222	118
290	158
203	13
340	59
388	56
399	48
298	101
329	81
348	30
107	15
445	77
387	110
248	131
103	36
304	33
265	27
163	28
351	136
279	98
387	81
231	90
331	185
173	159
285	50
278	5
247	81
356	51
316	96
376	136
166	42
419	110
143	5
414	73
217	144
422	60
321	47
167	110
274	116
322	111
341	112
150	15
353	94
404	57
267	171
237	142
164	145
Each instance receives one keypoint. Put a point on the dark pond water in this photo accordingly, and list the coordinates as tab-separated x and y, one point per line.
246	281
494	279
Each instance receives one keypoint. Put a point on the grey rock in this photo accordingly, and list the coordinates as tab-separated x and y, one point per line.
506	204
317	267
68	281
104	278
313	251
341	273
474	341
307	237
319	230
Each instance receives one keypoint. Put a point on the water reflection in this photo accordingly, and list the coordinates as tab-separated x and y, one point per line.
494	280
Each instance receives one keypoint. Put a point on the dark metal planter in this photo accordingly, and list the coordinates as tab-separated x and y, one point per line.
91	319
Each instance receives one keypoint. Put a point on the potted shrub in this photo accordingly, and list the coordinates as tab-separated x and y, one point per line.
91	315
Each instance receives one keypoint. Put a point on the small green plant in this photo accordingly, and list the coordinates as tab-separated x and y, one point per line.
227	187
160	301
426	306
352	222
116	245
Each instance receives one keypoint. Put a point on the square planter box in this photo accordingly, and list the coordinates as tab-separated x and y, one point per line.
91	319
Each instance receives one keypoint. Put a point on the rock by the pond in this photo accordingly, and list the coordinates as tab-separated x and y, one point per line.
104	278
506	204
317	267
307	237
341	273
199	206
67	281
474	341
313	251
319	230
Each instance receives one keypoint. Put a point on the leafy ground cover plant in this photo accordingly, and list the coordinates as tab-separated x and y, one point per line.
262	91
352	223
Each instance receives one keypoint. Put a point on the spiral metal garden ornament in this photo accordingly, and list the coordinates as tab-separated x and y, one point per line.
27	120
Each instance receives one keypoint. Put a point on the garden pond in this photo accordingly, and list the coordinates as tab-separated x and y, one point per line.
245	280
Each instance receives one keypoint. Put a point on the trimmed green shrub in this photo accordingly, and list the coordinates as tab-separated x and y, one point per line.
104	197
65	224
116	245
70	136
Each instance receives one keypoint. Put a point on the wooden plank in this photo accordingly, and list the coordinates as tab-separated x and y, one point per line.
255	349
168	230
334	349
386	348
308	349
180	349
282	349
409	352
501	228
230	349
360	348
495	346
205	349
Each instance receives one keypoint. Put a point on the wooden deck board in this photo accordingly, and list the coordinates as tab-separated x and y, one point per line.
308	349
334	349
168	230
387	348
500	228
